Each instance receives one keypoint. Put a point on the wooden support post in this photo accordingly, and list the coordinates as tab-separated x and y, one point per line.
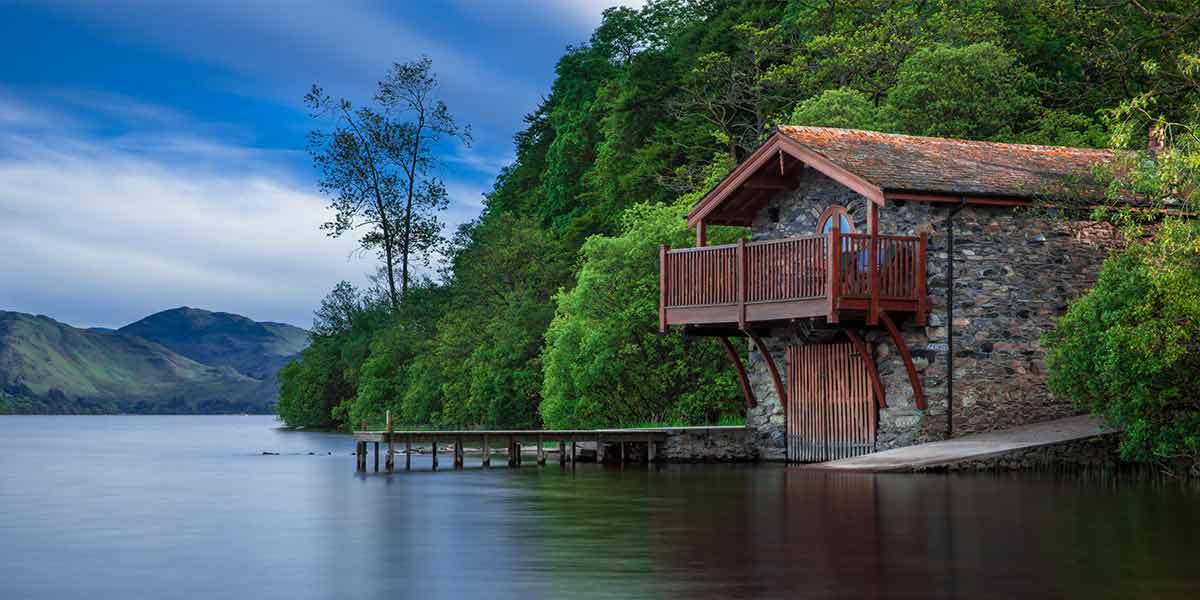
873	262
834	285
376	457
520	452
572	453
358	459
701	234
664	283
743	380
780	390
621	452
391	451
906	357
742	282
599	450
872	369
562	452
922	290
435	449
651	450
487	451
458	453
408	452
541	453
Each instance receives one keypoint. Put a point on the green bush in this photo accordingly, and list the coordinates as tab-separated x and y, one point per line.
1129	349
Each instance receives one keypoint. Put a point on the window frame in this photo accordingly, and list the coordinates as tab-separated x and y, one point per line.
835	211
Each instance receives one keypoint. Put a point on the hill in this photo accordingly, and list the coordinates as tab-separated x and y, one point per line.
253	348
51	367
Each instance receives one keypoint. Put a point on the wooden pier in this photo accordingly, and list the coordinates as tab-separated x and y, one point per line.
570	442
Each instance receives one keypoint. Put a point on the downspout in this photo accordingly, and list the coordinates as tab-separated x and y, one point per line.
953	210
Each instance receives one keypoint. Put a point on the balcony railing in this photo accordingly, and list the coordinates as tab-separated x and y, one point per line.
792	278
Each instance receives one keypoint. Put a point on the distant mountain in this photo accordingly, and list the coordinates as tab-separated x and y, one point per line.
253	348
178	361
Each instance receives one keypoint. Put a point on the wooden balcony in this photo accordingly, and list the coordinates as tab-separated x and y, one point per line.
836	276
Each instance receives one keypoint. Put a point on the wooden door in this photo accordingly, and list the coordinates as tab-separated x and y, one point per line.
831	410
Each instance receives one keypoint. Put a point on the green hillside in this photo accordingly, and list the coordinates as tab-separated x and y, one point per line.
50	367
256	349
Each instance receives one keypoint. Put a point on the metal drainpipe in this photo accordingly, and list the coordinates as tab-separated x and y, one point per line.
950	315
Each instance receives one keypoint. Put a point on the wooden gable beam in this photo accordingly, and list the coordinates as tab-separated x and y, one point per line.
770	182
773	150
827	167
733	181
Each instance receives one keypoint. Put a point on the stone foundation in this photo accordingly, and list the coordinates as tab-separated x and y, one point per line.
1093	452
708	445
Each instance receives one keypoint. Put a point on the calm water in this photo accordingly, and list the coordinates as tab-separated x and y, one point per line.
188	507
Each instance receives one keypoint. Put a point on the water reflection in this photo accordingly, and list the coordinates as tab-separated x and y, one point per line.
188	507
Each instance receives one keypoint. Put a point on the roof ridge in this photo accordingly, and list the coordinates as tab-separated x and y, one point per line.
950	139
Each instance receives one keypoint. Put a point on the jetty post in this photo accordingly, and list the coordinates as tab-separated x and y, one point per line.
487	451
391	452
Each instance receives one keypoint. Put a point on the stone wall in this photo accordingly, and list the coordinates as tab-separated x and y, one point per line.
1097	451
1015	271
725	444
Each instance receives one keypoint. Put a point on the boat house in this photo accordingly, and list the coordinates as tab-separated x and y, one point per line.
894	288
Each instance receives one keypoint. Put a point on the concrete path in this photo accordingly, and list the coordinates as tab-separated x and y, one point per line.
971	447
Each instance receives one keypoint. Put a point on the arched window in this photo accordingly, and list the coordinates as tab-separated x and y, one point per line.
832	215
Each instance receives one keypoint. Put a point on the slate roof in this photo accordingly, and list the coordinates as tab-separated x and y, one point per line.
909	163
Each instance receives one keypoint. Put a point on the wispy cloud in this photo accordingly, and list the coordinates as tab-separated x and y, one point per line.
171	220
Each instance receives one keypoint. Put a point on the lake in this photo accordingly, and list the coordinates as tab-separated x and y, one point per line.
189	507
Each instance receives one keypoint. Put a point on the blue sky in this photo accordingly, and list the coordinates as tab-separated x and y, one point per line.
152	153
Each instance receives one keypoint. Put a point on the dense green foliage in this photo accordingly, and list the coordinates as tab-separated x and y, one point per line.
1130	348
545	311
605	361
182	360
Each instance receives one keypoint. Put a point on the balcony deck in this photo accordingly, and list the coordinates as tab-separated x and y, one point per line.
779	280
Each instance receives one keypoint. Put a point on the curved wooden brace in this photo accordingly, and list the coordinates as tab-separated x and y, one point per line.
872	368
918	391
762	349
741	372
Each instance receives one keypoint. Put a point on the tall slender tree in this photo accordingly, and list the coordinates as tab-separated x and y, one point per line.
378	167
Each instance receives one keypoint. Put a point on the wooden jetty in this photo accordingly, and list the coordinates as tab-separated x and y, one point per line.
511	442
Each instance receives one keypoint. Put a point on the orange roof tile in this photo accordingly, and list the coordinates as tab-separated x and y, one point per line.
934	165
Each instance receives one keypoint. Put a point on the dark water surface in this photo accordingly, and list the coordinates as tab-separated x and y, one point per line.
188	507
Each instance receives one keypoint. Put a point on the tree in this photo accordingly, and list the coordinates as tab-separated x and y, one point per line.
605	362
975	92
841	107
730	91
377	165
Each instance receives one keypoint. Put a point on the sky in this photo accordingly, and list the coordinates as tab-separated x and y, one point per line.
152	153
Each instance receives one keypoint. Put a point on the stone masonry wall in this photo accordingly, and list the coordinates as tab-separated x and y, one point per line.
1015	270
708	445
